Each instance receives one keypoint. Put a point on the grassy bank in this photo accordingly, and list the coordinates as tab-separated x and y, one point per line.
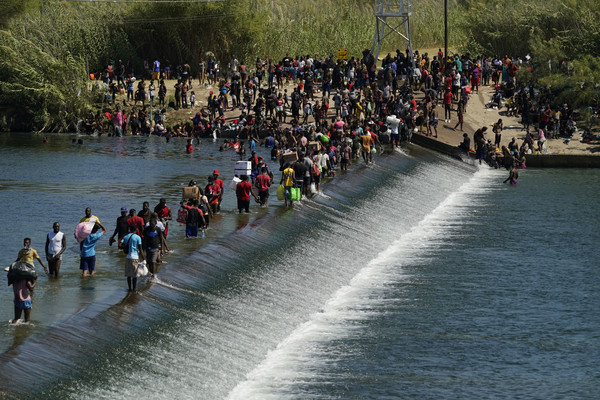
48	48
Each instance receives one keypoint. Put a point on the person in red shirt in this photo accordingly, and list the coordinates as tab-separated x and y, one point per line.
164	213
263	181
243	190
374	139
235	144
213	192
448	83
219	182
447	105
512	72
136	221
413	104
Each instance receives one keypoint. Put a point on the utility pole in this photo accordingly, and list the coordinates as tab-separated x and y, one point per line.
445	29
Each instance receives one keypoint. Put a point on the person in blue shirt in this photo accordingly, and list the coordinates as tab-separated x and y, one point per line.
87	264
156	70
135	253
458	64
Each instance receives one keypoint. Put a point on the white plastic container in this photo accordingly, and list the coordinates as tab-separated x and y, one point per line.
243	168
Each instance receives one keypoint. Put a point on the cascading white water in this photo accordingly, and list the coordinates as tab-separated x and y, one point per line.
220	335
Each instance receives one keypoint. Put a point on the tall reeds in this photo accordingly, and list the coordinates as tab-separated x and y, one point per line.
47	49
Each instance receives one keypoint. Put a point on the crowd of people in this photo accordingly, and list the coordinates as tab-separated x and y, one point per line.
259	95
304	158
542	117
335	113
269	97
141	235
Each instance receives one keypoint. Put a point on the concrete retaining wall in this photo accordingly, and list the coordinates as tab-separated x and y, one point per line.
533	160
562	161
438	146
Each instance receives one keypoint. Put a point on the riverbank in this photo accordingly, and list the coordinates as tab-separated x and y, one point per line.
560	154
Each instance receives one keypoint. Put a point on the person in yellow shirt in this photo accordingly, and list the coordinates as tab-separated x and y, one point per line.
359	111
89	217
287	180
27	254
367	141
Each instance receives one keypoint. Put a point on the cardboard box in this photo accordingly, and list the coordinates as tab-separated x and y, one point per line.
290	157
314	146
190	192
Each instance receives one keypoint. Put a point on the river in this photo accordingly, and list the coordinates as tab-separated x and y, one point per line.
419	277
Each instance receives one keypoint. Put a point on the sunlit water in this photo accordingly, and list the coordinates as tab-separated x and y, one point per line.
419	277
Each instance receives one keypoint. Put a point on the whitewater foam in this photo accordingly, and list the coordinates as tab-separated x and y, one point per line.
346	303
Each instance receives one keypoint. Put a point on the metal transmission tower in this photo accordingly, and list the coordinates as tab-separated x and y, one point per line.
391	14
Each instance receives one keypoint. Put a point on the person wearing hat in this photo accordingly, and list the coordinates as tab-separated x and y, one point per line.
164	213
120	228
219	182
213	193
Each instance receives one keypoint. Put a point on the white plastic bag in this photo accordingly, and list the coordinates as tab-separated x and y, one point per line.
142	269
234	182
313	188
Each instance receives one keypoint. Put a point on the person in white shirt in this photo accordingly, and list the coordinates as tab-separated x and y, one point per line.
56	243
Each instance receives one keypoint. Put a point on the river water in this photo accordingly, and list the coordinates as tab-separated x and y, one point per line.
420	277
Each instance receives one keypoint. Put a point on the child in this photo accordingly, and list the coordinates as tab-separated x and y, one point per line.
22	287
192	99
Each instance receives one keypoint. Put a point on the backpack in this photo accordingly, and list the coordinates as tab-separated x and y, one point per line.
316	171
181	215
126	246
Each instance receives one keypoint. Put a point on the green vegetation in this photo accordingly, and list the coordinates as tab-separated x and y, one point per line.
563	37
45	56
548	29
48	48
